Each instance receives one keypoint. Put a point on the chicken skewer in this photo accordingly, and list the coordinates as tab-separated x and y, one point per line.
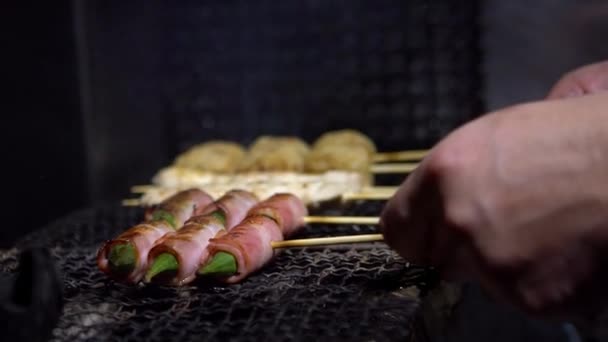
156	194
220	161
284	153
280	152
125	257
319	171
174	178
314	186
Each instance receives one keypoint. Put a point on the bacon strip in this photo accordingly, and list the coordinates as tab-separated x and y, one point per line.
286	209
235	205
180	206
250	242
189	244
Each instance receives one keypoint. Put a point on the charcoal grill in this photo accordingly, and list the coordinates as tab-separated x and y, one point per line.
363	292
403	72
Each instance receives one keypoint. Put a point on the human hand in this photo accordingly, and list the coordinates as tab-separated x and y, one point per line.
589	79
517	200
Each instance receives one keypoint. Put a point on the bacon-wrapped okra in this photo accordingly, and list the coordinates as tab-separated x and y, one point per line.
175	258
247	247
125	257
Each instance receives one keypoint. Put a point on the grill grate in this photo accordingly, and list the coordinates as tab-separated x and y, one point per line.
363	293
403	72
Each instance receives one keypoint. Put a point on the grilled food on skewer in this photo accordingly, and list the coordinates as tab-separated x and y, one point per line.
213	156
311	188
275	153
346	158
175	258
243	230
125	257
346	137
247	247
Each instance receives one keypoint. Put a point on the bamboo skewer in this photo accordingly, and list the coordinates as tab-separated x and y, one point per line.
342	219
393	168
370	193
413	155
140	189
354	196
380	188
327	240
131	202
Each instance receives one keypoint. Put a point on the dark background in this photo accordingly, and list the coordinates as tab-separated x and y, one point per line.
104	93
85	110
42	121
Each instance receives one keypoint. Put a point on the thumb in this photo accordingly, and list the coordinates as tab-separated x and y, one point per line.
407	219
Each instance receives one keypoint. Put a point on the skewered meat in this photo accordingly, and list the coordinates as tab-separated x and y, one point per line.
189	245
249	243
311	188
214	156
125	257
351	158
286	209
275	153
346	137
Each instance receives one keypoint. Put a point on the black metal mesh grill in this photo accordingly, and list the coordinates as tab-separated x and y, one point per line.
346	293
403	72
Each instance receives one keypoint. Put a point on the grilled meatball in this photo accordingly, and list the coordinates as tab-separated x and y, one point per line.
214	156
275	153
350	158
345	137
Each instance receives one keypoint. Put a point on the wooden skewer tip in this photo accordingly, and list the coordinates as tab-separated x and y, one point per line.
393	168
140	189
334	240
131	202
370	220
354	196
413	155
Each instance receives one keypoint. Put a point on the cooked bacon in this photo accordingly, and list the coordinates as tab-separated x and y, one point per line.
249	243
180	206
235	205
189	244
286	209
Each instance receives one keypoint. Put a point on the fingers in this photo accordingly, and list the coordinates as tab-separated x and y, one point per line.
566	88
402	222
589	79
413	223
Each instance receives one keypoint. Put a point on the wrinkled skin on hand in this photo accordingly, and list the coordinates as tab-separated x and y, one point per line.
517	200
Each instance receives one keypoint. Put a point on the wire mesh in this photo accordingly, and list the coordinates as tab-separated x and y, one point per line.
403	72
347	293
